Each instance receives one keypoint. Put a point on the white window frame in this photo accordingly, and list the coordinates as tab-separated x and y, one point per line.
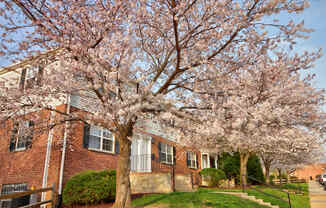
192	157
102	137
202	161
138	141
31	74
21	135
167	153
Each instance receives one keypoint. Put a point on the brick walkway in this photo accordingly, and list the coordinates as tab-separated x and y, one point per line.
317	195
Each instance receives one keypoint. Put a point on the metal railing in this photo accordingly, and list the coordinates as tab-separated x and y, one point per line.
26	193
265	193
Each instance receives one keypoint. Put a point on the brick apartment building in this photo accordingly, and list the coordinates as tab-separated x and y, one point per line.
310	171
37	158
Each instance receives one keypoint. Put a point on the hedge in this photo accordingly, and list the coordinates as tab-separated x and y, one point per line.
214	176
90	187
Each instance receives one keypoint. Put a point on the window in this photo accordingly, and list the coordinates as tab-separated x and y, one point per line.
12	188
30	77
205	161
101	139
166	153
141	158
22	135
191	160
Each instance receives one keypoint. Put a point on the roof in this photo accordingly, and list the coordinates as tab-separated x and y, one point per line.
23	63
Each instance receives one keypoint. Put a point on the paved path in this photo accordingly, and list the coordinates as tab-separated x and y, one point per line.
317	195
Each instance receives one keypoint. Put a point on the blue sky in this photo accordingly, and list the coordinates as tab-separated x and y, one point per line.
314	18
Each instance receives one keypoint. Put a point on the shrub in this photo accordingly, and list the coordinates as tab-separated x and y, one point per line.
255	170
283	176
214	176
230	164
271	179
90	187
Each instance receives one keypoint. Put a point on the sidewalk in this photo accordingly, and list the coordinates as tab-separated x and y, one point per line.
317	195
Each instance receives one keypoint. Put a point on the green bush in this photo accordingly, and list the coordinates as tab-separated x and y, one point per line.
230	164
214	176
90	187
271	178
255	170
283	175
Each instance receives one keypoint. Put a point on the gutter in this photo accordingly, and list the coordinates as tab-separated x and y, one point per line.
63	155
47	157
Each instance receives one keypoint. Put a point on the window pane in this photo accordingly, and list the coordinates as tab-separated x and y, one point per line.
163	146
193	163
95	131
205	161
5	204
169	158
94	142
21	143
163	157
107	133
107	145
170	149
31	72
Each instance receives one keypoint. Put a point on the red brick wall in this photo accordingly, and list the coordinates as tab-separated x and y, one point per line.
310	170
24	166
78	158
82	159
28	166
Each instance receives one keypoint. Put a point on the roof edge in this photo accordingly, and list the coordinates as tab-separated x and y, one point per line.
21	64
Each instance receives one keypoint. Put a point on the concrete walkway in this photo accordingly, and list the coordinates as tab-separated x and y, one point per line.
317	195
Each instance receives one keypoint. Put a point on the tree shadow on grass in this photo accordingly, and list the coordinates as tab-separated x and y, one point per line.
152	201
165	196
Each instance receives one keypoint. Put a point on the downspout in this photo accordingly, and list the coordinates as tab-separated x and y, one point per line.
47	157
59	201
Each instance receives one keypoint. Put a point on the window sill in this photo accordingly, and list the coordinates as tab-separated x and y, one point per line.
19	150
101	151
167	163
194	168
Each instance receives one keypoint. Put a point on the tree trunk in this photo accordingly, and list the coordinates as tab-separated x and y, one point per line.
243	168
267	169
280	175
287	176
123	189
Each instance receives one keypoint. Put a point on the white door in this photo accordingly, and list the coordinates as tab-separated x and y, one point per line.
141	154
205	160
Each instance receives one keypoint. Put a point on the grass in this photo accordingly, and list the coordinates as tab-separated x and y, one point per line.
197	199
297	200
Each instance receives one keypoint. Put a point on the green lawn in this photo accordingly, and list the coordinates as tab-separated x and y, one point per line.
198	199
297	201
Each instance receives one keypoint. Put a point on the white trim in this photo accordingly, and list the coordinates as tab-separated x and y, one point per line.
202	161
112	139
216	159
63	154
26	125
138	150
98	150
192	154
47	157
166	153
